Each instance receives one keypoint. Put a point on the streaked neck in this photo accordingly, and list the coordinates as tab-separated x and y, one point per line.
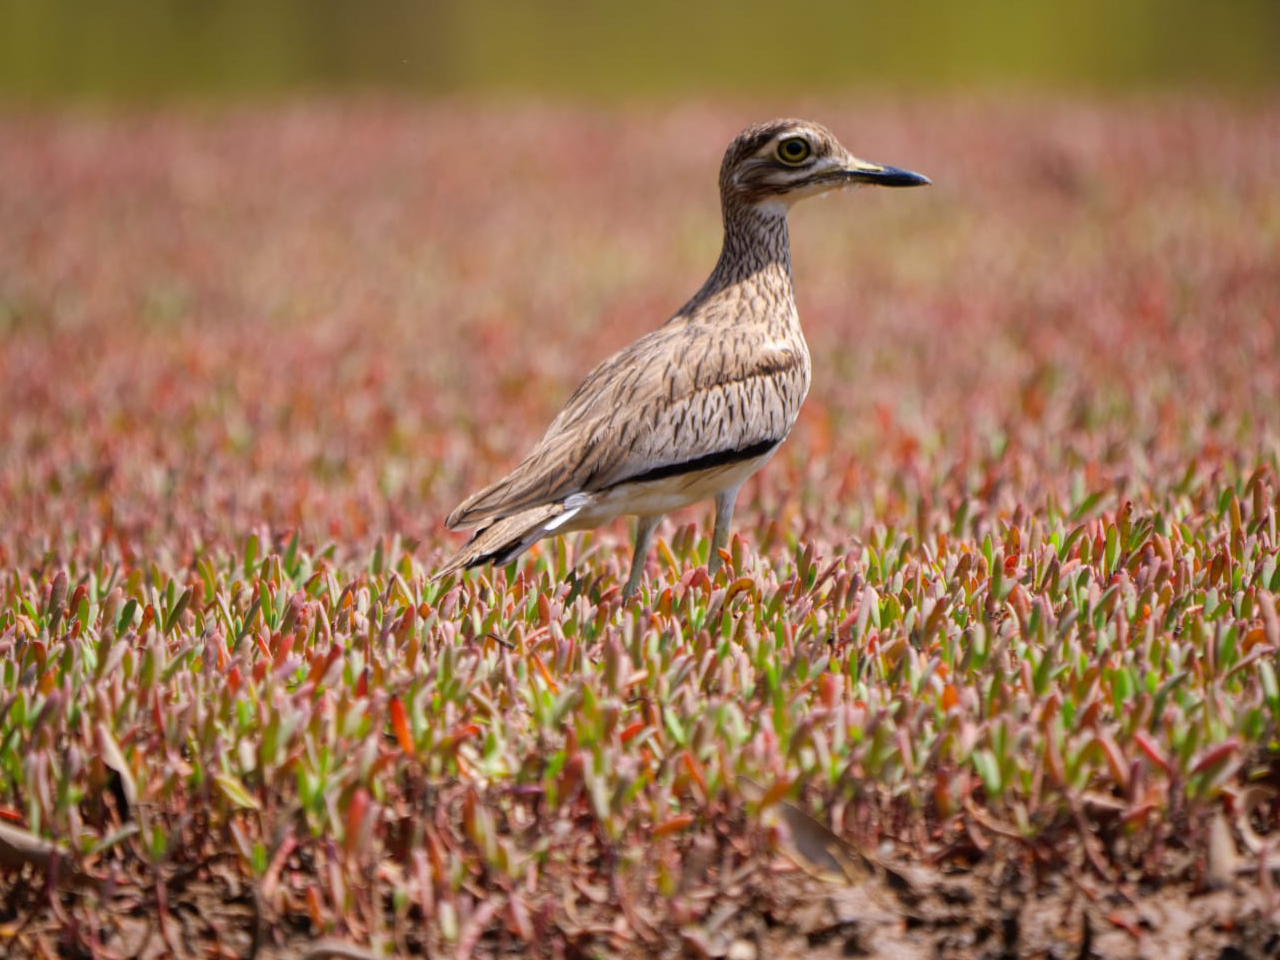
756	247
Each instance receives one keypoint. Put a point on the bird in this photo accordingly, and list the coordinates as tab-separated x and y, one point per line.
693	408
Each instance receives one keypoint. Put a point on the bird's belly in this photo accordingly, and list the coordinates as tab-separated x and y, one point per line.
649	498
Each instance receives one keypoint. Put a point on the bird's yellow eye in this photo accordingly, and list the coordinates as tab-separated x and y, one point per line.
794	150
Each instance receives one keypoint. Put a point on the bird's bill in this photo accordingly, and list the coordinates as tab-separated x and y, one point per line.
880	175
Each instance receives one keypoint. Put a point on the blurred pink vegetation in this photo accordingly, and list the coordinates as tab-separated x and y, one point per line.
342	320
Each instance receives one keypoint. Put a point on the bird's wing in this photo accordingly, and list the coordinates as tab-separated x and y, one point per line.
681	397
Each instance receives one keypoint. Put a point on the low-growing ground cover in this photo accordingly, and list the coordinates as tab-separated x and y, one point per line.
1001	615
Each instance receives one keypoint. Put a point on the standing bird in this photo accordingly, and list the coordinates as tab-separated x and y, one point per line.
692	409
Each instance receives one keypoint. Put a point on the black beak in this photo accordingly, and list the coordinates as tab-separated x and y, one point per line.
882	176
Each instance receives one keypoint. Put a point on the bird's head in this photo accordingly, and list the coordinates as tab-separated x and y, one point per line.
781	161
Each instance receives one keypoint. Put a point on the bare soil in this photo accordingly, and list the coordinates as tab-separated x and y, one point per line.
995	911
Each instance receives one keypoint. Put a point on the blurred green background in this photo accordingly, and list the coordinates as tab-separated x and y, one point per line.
146	49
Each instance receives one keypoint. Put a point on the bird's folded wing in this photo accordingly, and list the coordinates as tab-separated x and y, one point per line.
667	401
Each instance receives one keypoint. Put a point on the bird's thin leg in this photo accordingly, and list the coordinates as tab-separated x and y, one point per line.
644	533
724	517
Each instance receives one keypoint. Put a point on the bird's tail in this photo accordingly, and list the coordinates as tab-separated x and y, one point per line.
503	540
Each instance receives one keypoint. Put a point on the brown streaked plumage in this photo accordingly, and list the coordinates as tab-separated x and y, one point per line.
690	410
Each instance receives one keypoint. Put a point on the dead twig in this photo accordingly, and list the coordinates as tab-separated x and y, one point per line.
337	950
20	847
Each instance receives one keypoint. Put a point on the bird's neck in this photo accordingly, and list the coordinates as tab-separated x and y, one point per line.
756	248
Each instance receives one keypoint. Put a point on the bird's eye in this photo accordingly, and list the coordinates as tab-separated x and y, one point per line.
794	150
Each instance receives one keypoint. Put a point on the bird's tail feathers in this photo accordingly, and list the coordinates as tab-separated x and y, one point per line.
503	540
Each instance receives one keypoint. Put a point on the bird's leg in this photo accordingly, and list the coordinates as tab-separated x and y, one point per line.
724	517
644	533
